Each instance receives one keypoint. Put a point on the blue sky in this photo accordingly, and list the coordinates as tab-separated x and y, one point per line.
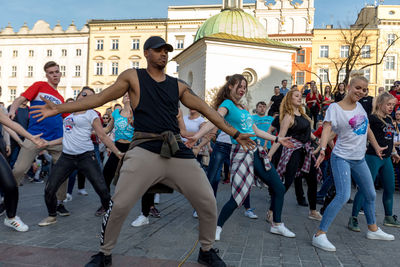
17	12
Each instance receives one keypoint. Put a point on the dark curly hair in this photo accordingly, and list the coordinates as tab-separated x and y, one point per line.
224	92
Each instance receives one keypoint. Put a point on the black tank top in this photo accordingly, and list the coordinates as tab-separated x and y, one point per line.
157	111
300	130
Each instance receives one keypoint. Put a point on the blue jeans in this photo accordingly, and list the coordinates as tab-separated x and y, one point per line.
343	170
221	152
328	180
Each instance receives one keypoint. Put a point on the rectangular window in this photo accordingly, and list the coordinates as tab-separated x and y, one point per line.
114	44
62	70
99	68
77	71
389	63
366	51
388	84
1	53
14	71
99	44
30	71
78	52
135	44
344	51
64	52
31	53
114	68
15	53
367	74
324	51
135	64
323	74
76	92
300	56
299	77
342	75
13	94
390	38
179	44
49	53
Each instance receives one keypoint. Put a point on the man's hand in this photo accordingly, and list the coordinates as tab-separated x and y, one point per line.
44	111
11	115
245	141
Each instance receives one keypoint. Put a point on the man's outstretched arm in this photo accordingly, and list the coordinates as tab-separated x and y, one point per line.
115	91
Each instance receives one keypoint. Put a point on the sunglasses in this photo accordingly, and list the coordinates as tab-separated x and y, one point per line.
105	118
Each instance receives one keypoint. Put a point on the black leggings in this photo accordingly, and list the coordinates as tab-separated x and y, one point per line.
296	161
147	203
9	187
112	163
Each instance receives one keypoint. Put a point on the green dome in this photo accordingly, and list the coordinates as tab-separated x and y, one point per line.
234	22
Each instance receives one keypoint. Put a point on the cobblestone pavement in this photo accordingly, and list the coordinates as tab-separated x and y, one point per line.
167	240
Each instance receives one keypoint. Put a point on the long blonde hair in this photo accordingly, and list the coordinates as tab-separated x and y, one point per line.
287	107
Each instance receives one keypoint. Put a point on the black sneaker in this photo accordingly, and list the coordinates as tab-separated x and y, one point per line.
210	258
154	212
62	211
2	208
100	212
99	260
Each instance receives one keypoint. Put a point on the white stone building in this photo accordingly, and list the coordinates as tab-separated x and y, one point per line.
230	42
24	53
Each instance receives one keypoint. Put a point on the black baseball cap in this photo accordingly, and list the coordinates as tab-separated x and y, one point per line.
396	83
157	42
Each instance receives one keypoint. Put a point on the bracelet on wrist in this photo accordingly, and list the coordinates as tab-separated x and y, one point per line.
323	149
277	139
394	153
236	135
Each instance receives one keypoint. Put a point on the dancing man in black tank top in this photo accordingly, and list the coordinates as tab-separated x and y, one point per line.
158	156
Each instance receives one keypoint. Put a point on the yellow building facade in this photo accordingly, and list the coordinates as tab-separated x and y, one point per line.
117	45
332	47
386	19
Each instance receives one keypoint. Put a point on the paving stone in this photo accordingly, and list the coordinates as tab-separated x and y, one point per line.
244	242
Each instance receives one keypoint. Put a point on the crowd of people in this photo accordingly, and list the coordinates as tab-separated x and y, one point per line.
334	139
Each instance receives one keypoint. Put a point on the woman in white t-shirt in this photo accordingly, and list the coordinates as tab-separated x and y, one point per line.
78	153
349	121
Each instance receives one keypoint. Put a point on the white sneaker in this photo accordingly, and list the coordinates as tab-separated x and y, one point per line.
249	213
281	229
16	223
323	243
140	221
68	198
379	235
218	233
157	199
82	192
195	214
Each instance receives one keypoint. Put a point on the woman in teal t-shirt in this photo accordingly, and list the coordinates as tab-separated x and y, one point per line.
246	164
